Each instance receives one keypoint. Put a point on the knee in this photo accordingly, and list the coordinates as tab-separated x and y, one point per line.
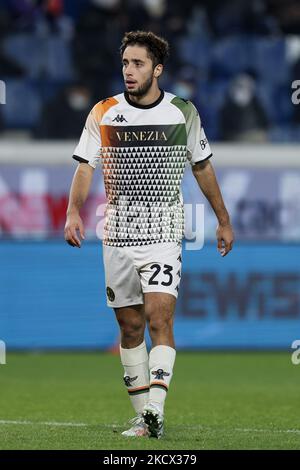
159	324
131	329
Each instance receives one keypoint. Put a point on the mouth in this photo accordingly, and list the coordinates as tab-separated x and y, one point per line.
130	83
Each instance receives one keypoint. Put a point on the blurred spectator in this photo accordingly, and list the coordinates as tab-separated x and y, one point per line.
167	17
8	67
40	46
96	42
6	21
40	16
54	20
242	118
287	14
64	118
239	17
23	14
185	86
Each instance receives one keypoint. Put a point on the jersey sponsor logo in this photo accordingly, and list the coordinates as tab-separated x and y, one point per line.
128	380
141	136
160	374
119	118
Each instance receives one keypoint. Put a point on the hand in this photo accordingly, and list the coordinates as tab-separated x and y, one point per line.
225	238
74	223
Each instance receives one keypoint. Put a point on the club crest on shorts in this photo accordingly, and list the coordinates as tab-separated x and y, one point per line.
160	374
128	380
110	294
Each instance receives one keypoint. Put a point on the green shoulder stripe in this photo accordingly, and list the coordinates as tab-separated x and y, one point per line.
187	108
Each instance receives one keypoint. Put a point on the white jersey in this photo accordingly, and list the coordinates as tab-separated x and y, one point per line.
143	151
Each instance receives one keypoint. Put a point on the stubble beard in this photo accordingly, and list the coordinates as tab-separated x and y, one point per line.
143	89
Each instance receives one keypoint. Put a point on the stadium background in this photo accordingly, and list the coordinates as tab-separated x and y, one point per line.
236	61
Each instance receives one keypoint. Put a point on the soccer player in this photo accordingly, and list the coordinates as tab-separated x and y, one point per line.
143	138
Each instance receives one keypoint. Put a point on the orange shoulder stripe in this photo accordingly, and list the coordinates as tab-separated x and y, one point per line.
102	107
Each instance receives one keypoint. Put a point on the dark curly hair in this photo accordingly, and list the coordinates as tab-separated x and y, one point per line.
157	47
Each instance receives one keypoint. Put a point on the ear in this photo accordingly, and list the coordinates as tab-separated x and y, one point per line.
158	70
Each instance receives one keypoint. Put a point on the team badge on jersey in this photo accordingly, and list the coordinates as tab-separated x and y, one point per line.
110	294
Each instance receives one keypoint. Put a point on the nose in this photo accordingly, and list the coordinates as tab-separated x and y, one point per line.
128	71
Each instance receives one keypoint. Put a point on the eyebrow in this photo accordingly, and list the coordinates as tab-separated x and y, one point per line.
134	60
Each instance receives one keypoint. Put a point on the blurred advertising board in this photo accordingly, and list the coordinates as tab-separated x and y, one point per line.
264	203
52	296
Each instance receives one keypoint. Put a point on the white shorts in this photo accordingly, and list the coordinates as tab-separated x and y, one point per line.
131	271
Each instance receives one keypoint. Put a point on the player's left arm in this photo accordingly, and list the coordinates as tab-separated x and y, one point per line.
207	181
199	154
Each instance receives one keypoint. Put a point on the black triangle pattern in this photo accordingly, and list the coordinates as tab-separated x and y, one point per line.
143	194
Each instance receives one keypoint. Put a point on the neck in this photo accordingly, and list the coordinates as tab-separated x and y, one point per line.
152	95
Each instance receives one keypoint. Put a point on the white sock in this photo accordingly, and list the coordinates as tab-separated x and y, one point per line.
136	375
161	362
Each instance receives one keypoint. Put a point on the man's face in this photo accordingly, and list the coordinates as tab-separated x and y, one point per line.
138	70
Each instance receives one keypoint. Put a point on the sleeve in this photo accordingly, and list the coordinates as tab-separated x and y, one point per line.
198	148
89	146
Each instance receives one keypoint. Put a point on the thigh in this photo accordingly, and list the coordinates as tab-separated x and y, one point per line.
162	271
159	311
159	305
132	316
123	284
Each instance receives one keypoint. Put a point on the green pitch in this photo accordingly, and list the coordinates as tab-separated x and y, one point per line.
216	401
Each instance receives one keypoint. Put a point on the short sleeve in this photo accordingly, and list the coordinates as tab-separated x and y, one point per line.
198	148
89	146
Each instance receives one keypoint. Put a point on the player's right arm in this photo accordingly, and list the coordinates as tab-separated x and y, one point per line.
78	194
87	154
